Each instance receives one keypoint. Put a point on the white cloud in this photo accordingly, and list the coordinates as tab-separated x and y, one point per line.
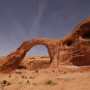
36	25
35	28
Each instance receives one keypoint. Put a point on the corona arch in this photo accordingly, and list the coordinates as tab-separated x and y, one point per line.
15	57
73	48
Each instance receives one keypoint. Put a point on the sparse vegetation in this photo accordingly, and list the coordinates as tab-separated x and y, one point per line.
50	82
22	76
25	77
9	76
32	77
34	83
4	82
28	82
36	70
8	83
65	72
52	70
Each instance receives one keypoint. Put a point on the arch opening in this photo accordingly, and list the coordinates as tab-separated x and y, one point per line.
37	50
36	58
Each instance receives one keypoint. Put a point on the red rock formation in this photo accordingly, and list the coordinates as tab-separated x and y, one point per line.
12	61
70	49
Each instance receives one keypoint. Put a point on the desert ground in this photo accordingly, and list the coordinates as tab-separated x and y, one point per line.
65	77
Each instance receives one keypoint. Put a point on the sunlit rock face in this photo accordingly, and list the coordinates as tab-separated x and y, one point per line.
71	49
75	47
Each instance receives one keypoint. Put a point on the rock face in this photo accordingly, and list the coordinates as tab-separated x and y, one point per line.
71	49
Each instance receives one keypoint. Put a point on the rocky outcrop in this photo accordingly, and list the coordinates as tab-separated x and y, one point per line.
71	49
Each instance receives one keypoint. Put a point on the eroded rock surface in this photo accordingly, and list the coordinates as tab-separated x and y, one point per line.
71	49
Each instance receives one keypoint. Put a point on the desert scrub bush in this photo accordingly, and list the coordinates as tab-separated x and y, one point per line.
24	77
5	82
9	76
32	77
36	70
50	82
8	83
65	72
28	82
34	83
52	70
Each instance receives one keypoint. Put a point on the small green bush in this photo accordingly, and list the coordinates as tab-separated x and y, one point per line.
4	82
28	82
50	82
65	72
9	76
52	70
36	71
8	83
22	76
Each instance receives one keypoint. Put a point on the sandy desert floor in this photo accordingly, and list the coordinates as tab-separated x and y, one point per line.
62	78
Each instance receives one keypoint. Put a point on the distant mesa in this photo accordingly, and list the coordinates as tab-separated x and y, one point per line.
72	49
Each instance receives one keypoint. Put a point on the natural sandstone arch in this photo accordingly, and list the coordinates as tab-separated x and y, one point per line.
33	61
73	48
14	58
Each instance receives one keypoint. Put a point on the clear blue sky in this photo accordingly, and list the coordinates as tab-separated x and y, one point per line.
26	19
